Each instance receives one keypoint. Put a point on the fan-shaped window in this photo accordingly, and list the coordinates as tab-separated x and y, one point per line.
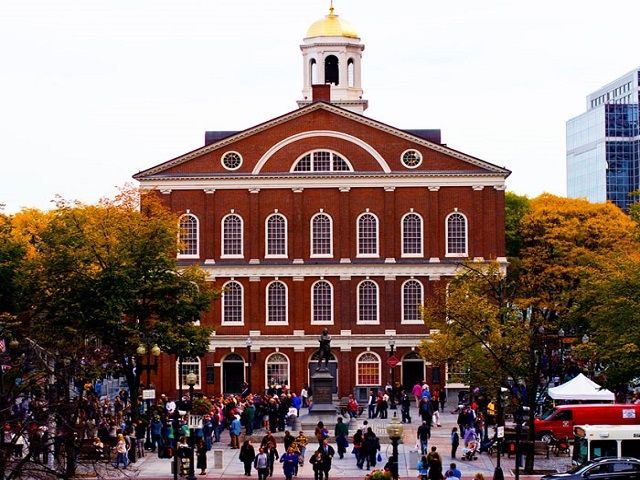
368	369
456	232
232	236
412	356
277	302
321	235
277	370
232	303
368	302
276	236
412	300
351	81
188	236
321	161
322	302
331	70
412	235
367	235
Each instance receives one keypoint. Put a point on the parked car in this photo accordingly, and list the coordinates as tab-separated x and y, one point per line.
604	468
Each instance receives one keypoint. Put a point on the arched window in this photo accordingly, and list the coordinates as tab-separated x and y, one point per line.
277	302
367	235
232	303
276	236
277	370
321	302
321	161
331	70
412	300
351	81
368	302
456	232
321	235
412	235
368	370
232	236
188	237
184	368
313	71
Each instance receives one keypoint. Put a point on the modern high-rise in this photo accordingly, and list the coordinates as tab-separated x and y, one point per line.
603	144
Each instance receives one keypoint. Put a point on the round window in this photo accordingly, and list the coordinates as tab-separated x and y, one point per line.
411	158
231	160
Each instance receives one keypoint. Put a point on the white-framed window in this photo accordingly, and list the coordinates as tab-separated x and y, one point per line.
456	235
412	243
412	300
321	161
189	364
411	158
368	301
232	303
321	235
368	370
232	233
188	236
276	236
276	304
231	160
277	370
322	302
367	235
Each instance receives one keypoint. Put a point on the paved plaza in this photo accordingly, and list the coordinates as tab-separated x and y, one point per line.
151	467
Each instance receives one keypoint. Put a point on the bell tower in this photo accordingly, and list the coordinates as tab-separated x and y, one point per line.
332	55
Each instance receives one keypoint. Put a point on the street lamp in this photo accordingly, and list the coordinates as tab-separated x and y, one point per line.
154	351
392	346
192	379
248	343
394	430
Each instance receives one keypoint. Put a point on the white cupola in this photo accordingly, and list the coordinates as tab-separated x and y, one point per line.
332	55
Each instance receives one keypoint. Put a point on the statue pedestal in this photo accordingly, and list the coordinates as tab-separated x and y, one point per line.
322	408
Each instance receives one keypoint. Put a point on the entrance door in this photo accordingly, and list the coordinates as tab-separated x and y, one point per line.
232	374
333	370
412	370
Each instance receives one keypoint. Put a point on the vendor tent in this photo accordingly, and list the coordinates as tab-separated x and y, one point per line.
581	388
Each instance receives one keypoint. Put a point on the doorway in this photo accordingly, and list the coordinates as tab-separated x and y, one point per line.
232	374
412	370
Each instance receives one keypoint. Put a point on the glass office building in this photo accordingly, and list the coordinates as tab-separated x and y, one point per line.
603	145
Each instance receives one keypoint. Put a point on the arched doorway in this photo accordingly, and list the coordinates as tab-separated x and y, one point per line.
333	369
412	370
232	373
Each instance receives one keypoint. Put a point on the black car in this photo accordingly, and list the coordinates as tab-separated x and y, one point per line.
605	468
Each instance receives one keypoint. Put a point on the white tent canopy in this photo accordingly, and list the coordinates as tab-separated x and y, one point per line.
581	388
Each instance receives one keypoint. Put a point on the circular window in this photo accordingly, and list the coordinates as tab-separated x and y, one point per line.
231	160
411	158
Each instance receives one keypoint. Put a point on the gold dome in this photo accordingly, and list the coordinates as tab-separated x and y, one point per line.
331	26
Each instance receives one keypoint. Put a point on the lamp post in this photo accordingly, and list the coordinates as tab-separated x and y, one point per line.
192	379
248	343
154	351
561	363
392	346
394	430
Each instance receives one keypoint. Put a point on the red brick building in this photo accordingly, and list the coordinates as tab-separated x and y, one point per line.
323	217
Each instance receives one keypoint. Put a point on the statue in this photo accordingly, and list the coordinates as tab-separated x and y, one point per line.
325	349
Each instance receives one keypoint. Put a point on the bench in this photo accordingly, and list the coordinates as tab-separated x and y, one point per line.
342	407
539	448
88	452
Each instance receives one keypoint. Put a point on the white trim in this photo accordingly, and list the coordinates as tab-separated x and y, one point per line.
402	252
266	237
379	369
266	361
402	319
197	386
311	321
189	255
311	236
227	153
367	255
421	157
222	308
465	254
222	242
321	133
368	322
286	304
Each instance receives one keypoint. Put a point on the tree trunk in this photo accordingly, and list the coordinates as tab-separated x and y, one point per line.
132	375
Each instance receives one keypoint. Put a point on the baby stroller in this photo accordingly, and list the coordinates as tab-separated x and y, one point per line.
488	445
470	451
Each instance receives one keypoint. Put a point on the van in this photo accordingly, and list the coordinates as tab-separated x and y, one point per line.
560	422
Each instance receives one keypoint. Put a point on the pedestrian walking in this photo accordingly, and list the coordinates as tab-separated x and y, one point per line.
424	434
247	456
318	468
289	463
201	456
435	465
341	433
453	473
327	456
261	464
422	467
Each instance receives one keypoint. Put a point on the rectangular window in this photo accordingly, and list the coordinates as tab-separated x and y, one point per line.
368	374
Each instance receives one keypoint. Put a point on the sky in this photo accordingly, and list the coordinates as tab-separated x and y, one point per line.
93	91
